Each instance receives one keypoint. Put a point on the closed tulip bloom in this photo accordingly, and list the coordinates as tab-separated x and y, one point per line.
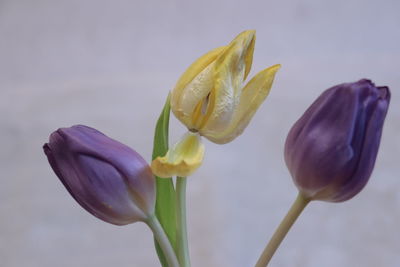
107	178
211	100
331	150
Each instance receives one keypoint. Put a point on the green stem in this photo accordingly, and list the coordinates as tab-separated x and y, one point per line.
182	240
163	241
297	207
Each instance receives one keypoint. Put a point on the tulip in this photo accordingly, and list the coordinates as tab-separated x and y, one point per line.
210	100
331	149
107	178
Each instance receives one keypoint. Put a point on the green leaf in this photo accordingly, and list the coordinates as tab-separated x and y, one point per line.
165	200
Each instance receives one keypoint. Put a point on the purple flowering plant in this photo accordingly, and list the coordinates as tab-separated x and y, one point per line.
330	151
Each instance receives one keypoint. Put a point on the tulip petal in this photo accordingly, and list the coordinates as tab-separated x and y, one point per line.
182	159
370	146
105	193
193	86
324	134
248	57
231	68
252	96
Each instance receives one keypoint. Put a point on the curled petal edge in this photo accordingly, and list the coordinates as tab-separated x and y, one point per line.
182	159
231	69
253	95
183	93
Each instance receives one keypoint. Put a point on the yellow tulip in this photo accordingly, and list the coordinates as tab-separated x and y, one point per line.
209	98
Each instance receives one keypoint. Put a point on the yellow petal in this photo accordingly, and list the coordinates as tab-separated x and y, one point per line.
182	159
193	86
248	40
230	70
253	95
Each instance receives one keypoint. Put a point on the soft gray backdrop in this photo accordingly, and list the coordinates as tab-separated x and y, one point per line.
110	64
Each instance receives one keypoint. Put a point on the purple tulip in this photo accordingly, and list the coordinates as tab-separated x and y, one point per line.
107	178
331	150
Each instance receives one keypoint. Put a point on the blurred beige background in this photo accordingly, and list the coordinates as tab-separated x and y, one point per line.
110	64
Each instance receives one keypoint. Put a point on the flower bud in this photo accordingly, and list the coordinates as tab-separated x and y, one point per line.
107	178
331	150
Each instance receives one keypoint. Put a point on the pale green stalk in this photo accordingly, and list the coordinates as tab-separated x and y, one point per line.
181	238
163	241
297	207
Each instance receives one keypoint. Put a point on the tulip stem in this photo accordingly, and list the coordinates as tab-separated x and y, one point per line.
163	241
297	207
181	238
